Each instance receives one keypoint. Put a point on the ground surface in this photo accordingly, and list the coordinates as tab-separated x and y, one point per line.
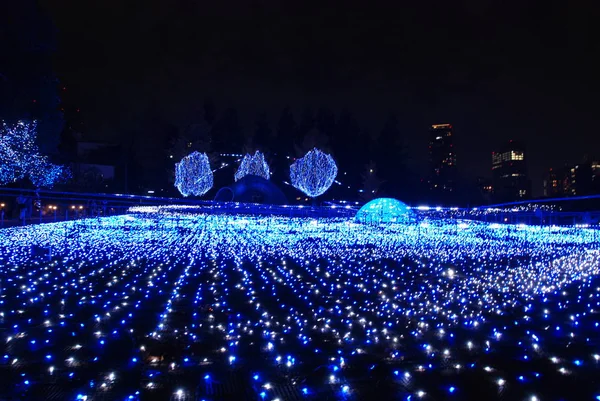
195	307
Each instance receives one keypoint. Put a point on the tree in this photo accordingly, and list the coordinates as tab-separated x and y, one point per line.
210	112
20	157
286	129
314	173
196	137
227	132
28	86
263	136
253	165
346	142
312	139
371	182
307	124
390	156
193	175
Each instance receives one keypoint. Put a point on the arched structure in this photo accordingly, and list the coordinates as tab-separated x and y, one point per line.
384	210
252	189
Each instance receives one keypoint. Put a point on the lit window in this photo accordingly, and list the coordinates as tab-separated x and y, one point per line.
516	155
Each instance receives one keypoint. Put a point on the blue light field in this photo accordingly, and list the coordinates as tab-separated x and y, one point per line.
185	306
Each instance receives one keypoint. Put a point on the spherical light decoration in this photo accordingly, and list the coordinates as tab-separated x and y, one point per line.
314	173
253	165
193	175
384	210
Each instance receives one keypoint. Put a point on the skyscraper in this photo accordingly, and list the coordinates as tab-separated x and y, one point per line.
509	173
442	158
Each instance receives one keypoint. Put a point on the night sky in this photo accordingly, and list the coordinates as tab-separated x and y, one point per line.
495	70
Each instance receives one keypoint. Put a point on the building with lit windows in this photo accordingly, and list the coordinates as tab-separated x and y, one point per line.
442	158
509	173
557	182
573	180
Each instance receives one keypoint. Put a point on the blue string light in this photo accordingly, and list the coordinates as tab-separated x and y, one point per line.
308	294
253	165
193	175
20	157
314	173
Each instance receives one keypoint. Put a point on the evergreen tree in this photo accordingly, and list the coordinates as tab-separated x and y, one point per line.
227	132
210	112
307	124
390	156
28	86
371	182
286	131
263	135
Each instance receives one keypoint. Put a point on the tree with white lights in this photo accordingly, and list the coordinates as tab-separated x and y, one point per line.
20	156
193	175
314	173
253	165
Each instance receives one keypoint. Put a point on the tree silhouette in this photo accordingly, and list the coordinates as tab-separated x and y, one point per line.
29	90
390	156
263	135
286	130
370	182
227	132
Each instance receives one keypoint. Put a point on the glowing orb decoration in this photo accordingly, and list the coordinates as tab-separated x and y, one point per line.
314	173
253	165
193	175
384	210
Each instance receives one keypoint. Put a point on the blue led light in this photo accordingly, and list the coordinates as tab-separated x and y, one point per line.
193	175
253	165
314	173
285	284
384	210
20	156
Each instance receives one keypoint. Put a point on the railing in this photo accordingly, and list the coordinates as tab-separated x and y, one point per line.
21	207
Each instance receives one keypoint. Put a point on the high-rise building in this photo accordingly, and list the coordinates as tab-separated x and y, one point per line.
442	158
573	180
557	182
596	176
509	173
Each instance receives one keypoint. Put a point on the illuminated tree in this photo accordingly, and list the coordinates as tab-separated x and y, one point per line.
314	173
193	175
253	165
20	157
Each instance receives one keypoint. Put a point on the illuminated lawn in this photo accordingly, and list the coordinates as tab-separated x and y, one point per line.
225	307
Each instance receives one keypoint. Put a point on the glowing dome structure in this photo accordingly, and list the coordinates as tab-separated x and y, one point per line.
384	210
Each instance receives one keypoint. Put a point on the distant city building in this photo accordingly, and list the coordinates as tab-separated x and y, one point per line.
557	182
485	187
509	173
595	165
442	158
573	180
95	166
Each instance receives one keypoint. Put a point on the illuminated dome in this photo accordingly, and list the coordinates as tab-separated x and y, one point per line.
384	210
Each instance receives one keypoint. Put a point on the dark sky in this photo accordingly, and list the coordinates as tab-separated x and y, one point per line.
495	70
